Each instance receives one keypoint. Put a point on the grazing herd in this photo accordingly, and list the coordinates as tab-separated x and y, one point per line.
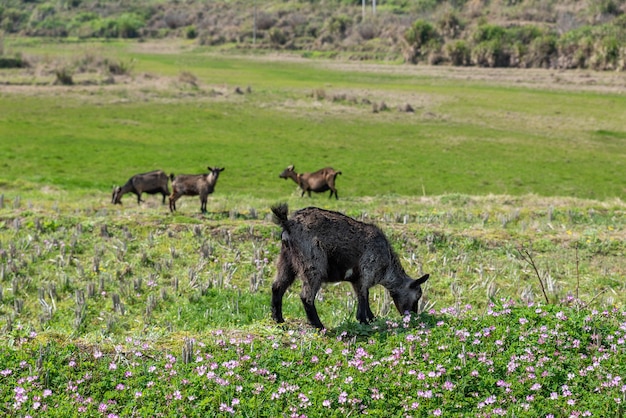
203	185
317	245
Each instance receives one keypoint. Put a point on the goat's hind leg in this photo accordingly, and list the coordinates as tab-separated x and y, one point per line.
310	287
173	199
285	276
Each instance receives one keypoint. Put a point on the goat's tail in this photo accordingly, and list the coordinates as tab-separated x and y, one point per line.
172	176
280	214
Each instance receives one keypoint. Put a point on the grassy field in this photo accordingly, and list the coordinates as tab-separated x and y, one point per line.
466	136
507	187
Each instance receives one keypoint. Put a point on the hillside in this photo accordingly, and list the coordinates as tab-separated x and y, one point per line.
487	33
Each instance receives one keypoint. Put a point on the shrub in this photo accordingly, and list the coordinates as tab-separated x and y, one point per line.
63	76
606	54
338	25
420	33
6	62
367	30
265	21
450	24
129	25
523	34
490	54
542	52
488	32
420	36
458	52
114	67
277	36
191	32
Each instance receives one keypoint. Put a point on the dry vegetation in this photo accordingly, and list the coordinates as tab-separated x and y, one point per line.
486	33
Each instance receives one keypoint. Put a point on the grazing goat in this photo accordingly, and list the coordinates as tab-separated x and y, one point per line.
324	246
152	183
318	182
194	185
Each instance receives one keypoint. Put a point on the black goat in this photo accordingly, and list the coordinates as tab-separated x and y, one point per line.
324	246
152	183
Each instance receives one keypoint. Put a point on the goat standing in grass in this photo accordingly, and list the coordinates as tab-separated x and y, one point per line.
324	246
318	182
194	185
152	183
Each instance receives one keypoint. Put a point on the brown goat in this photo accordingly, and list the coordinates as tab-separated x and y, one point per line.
152	183
324	246
194	185
318	182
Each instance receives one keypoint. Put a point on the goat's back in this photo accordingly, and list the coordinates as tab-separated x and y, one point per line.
156	177
335	232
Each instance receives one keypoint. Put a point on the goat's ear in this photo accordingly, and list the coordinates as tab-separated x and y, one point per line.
210	169
222	169
419	281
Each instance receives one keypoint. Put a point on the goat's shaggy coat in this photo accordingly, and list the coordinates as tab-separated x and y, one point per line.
325	246
152	183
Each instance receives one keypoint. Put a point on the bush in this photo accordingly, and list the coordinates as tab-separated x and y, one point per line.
12	19
490	54
421	37
338	25
277	36
265	21
6	62
129	25
191	32
606	54
63	76
488	32
542	52
450	24
458	52
119	67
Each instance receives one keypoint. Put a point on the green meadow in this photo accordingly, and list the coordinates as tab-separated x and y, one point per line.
506	186
471	137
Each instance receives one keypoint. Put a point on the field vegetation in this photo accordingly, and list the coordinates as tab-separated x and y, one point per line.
484	33
506	186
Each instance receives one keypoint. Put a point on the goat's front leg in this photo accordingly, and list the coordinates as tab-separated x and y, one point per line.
363	312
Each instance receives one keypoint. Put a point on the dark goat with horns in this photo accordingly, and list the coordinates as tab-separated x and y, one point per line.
152	183
324	246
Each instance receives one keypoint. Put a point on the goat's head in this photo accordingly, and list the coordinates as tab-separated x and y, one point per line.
116	198
287	172
214	173
406	298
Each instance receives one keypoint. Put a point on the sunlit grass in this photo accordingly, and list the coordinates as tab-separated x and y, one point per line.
510	197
